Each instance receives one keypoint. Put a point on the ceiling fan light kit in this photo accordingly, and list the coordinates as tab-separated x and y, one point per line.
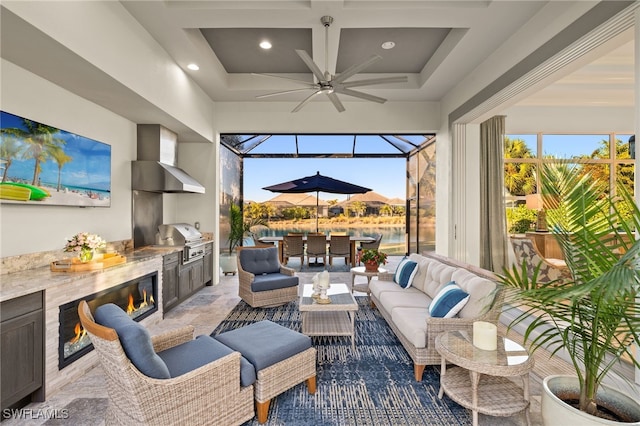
331	84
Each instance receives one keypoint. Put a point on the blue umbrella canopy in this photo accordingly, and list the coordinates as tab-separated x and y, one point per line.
318	183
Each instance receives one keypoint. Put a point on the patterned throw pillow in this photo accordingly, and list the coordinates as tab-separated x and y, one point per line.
448	302
406	272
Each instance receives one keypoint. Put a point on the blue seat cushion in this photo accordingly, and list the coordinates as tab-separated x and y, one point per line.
265	343
260	260
135	340
201	351
272	282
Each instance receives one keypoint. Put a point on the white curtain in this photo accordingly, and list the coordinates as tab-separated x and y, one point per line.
493	227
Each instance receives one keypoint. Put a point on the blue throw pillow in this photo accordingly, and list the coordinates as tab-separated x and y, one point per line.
135	340
406	272
448	302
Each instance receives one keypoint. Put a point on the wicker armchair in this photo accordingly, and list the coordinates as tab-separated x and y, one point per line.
293	247
550	269
248	287
317	247
340	246
209	394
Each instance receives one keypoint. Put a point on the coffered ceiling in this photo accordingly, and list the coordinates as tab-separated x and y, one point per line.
437	44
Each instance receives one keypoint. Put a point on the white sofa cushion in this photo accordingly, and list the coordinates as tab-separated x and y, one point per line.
481	291
421	275
438	274
407	298
412	323
377	287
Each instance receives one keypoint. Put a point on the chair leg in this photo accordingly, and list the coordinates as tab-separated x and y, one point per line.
417	371
262	410
311	384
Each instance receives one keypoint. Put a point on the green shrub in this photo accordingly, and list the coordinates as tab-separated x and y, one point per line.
520	218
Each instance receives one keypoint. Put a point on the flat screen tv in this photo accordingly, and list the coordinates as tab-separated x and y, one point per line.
44	165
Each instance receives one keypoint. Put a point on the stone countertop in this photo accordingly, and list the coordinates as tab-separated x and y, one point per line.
37	279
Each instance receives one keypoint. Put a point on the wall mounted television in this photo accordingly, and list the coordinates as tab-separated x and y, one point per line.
44	165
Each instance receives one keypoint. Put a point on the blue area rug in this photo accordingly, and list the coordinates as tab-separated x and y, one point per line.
373	386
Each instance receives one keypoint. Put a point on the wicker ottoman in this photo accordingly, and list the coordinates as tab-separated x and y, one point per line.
282	358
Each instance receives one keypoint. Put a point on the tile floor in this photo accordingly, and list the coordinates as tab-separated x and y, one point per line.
205	310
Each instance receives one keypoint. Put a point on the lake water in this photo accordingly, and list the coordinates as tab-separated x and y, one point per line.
393	237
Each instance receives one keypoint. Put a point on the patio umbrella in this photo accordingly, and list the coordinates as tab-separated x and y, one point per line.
318	183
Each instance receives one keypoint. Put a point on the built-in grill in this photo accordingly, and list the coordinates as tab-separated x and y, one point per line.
182	235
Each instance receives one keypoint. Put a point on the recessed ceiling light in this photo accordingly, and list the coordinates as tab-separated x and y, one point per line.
388	45
193	67
265	44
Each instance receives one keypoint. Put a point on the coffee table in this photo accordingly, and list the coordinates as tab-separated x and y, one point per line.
493	394
333	319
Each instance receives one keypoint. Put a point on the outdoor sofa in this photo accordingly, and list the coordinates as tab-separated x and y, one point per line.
406	310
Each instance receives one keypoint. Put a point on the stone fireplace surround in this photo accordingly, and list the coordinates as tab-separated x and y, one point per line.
60	288
77	289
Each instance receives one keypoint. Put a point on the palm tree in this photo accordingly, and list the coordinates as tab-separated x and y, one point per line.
594	316
519	178
40	140
358	207
9	150
60	158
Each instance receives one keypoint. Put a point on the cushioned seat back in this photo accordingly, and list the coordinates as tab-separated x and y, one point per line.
419	281
135	340
261	260
482	292
438	275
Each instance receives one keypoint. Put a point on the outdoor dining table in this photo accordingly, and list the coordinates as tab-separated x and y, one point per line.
352	239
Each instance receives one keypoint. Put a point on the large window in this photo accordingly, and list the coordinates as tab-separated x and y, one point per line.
606	156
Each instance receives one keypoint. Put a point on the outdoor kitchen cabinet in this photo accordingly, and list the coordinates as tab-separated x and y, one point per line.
170	266
22	350
208	264
191	279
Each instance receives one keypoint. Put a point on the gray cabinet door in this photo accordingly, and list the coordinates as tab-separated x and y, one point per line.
22	348
171	263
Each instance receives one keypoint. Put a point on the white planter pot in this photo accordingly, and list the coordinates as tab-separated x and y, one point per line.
556	412
228	263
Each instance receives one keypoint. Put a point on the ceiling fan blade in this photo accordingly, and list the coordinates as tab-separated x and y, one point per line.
372	81
311	65
361	95
335	101
306	101
284	92
355	69
308	83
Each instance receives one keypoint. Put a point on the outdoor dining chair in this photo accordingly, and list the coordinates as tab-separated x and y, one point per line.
339	246
316	247
293	247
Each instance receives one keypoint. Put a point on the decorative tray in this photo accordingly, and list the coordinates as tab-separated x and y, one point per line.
99	261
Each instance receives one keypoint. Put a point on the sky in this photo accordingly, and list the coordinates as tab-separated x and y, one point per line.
386	176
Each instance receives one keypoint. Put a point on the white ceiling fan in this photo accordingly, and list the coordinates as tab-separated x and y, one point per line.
332	84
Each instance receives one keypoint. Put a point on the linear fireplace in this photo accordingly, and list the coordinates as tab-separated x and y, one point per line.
136	297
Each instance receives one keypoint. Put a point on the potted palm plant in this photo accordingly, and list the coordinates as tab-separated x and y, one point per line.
239	228
594	316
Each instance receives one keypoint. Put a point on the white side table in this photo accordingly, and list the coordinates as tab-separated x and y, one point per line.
360	270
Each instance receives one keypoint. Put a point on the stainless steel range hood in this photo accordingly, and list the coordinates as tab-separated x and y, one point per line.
156	170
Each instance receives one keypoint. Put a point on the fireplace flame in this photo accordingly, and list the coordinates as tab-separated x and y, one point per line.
144	299
80	333
130	308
